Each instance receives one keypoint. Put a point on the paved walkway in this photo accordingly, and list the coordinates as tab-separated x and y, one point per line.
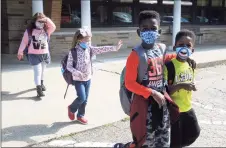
27	120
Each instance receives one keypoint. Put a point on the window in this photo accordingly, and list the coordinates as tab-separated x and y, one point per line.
224	20
216	16
123	1
167	11
108	13
71	14
99	15
167	15
202	16
186	16
122	16
217	3
97	0
121	13
186	11
203	2
149	1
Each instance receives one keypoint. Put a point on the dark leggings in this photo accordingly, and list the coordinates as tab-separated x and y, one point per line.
185	131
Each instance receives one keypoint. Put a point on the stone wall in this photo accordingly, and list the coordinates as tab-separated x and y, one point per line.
214	35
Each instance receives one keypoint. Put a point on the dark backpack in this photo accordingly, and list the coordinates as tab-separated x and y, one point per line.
29	42
138	114
125	95
65	72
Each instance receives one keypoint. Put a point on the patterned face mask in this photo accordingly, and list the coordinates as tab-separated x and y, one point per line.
39	25
149	37
183	52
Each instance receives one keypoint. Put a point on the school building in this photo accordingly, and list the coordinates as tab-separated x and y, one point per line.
111	20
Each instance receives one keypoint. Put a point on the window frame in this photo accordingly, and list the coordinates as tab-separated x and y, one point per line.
136	7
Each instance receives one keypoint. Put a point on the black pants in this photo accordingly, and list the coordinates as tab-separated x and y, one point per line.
185	131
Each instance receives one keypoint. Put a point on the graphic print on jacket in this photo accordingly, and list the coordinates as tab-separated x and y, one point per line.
183	74
84	61
39	42
157	121
154	77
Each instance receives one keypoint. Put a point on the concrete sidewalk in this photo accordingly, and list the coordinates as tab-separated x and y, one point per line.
26	120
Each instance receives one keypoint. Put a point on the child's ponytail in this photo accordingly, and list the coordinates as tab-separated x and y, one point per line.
76	39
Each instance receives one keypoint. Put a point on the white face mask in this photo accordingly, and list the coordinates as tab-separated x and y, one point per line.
39	25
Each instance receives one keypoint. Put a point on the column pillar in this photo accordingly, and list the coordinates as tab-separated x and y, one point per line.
37	6
176	19
85	14
86	17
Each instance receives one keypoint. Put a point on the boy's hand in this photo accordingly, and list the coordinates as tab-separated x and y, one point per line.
159	98
192	63
119	45
188	86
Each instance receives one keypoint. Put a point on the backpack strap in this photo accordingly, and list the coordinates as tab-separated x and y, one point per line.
91	55
162	47
29	32
74	56
48	37
171	72
143	64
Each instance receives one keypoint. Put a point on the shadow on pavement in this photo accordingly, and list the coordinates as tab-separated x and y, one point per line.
6	96
24	133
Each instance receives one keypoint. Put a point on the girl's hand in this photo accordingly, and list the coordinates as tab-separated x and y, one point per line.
20	57
44	20
119	45
78	74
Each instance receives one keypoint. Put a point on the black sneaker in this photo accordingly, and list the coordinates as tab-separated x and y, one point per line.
42	85
39	91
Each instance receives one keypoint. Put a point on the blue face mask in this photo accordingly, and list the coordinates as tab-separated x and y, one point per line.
183	52
149	37
83	45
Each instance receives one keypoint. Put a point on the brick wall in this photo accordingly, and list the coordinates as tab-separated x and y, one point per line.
15	14
4	27
56	12
61	43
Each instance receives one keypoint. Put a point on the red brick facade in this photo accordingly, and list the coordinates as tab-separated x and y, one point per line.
15	14
52	9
